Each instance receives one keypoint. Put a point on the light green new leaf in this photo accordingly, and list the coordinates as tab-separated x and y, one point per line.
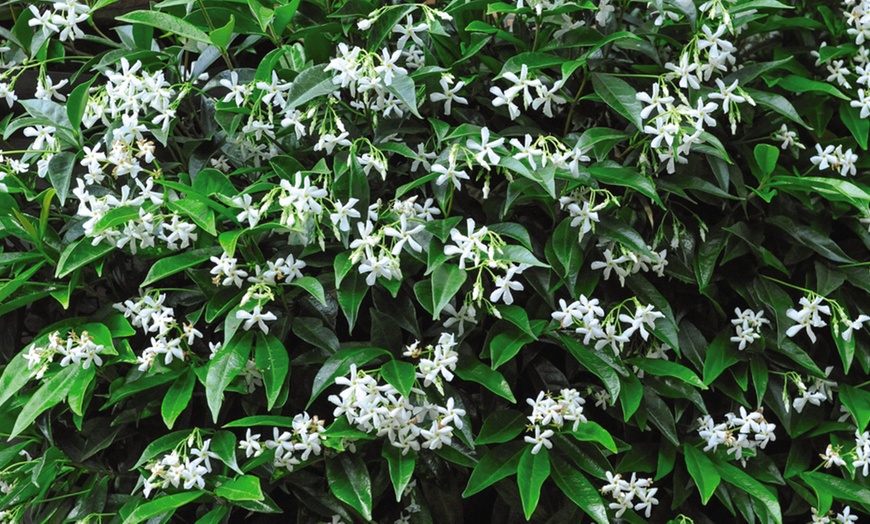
665	368
401	375
532	471
246	487
593	432
161	506
349	481
168	266
273	362
168	23
702	470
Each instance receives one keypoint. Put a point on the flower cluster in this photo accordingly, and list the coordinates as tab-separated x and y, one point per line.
583	211
380	408
79	349
436	362
843	162
844	517
152	316
819	390
184	467
552	413
588	319
739	433
630	262
637	494
808	317
63	19
304	439
747	326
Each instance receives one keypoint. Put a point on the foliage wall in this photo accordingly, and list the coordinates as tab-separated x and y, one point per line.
340	261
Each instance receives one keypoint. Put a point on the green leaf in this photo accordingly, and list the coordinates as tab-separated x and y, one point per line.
15	376
220	36
501	426
588	359
778	104
619	95
339	364
166	267
660	415
665	368
310	84
532	471
349	481
719	357
617	231
593	432
859	127
836	487
811	238
168	23
162	506
79	254
246	487
313	286
401	467
60	169
577	487
50	393
800	84
223	444
505	346
401	375
495	465
261	420
178	397
766	156
161	445
214	516
567	259
739	479
273	361
227	364
445	282
350	296
857	401
702	470
626	177
472	370
404	89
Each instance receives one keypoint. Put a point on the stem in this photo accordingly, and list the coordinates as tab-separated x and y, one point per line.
574	104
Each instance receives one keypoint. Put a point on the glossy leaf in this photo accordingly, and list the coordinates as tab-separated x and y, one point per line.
532	470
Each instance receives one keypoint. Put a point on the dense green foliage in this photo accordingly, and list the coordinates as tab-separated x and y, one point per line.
547	260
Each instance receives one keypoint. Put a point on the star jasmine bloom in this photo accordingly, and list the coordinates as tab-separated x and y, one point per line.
255	317
505	99
541	439
409	31
449	173
663	131
654	101
389	66
484	149
251	444
422	158
522	84
328	141
404	235
684	71
852	325
449	94
726	94
46	89
547	97
702	114
611	264
527	150
863	103
504	286
787	137
838	73
824	157
343	212
249	211
237	92
7	93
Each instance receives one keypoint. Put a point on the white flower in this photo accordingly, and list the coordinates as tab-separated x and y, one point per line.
255	317
540	439
449	94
